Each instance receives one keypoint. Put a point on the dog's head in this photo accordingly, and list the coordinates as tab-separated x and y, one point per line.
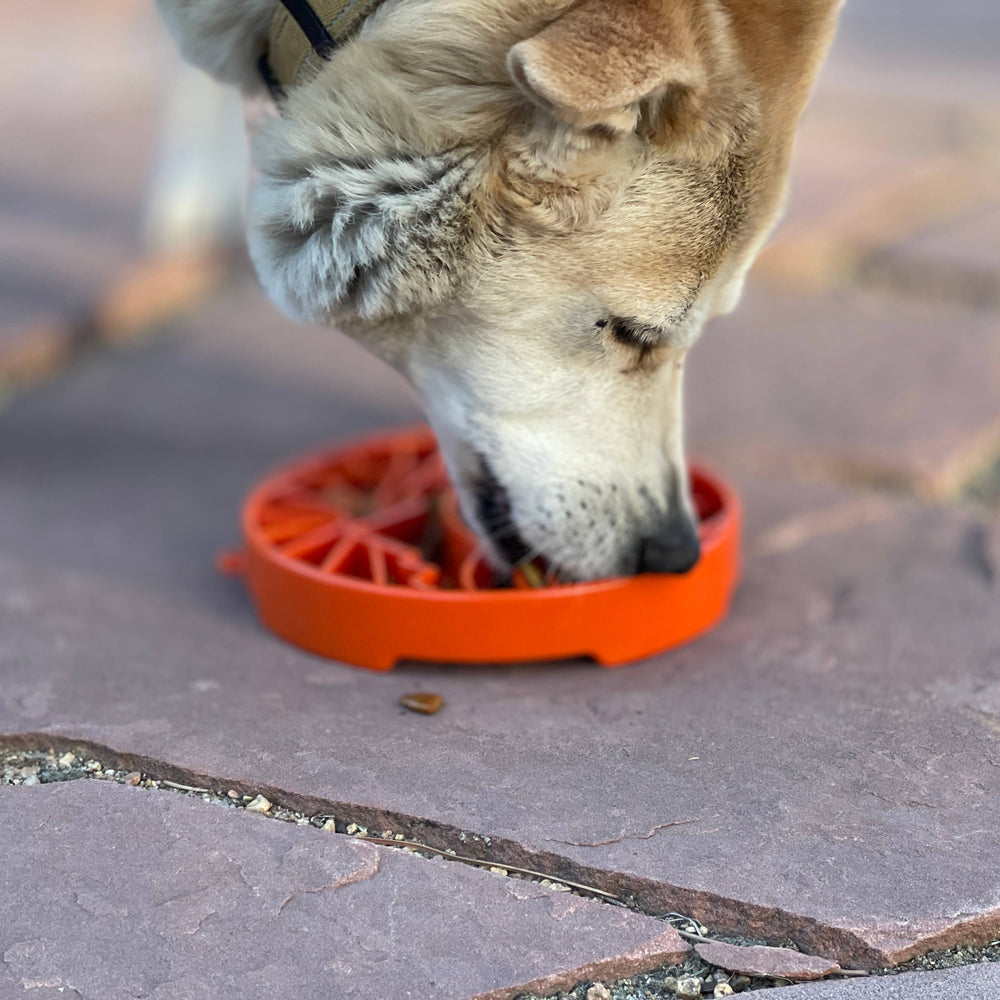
531	209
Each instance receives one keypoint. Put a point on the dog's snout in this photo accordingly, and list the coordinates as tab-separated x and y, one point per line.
672	548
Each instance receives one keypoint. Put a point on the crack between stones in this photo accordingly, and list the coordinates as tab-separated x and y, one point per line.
627	836
661	900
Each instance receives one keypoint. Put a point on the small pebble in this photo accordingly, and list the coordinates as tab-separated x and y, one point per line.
670	984
353	828
598	992
329	825
723	990
423	702
560	887
258	805
689	988
739	982
66	760
233	794
498	871
32	779
133	778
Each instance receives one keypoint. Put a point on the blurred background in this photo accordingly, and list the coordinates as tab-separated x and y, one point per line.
136	351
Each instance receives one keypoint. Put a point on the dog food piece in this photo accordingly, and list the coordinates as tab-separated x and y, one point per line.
532	574
423	702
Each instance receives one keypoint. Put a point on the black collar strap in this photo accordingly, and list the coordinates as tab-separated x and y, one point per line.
304	33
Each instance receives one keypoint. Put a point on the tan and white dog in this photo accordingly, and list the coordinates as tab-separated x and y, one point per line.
530	208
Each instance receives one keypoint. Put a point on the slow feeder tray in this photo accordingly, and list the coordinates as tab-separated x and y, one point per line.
359	554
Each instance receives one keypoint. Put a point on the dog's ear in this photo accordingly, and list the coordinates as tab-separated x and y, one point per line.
615	66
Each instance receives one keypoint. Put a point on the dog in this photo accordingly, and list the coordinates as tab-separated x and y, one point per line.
530	208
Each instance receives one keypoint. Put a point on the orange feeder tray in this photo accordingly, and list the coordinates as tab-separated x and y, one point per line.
336	564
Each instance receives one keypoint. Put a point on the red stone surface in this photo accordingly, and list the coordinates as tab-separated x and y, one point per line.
974	982
147	893
80	115
775	963
864	388
823	766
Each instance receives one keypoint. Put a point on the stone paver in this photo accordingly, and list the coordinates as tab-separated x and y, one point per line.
151	894
974	982
869	388
824	766
972	242
80	112
760	960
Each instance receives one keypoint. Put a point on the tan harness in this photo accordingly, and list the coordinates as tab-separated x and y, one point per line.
304	34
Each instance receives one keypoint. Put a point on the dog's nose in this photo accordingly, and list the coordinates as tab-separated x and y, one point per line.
673	548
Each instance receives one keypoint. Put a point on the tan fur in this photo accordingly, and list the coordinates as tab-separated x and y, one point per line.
531	208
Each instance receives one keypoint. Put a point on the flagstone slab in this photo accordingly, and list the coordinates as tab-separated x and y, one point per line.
971	982
147	893
824	766
83	101
866	388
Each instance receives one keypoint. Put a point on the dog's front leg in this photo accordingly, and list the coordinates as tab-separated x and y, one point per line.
225	38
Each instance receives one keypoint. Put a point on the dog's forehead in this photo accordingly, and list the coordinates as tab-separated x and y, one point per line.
676	227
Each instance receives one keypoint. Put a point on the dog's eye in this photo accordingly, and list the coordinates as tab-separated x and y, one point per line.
634	334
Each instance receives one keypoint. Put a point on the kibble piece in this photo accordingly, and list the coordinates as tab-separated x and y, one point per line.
423	702
258	805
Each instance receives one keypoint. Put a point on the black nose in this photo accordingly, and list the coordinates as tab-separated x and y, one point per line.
674	548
